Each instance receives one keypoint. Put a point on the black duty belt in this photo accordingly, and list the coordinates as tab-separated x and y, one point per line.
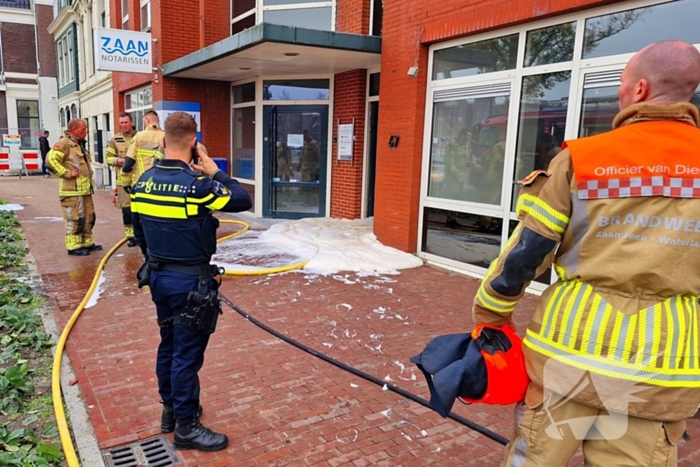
202	269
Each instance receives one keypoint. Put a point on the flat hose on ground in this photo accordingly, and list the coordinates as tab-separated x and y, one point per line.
63	431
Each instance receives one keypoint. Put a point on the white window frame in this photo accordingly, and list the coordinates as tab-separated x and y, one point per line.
259	104
261	8
143	107
145	3
69	51
125	11
578	66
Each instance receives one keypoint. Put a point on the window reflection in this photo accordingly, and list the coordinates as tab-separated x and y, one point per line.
468	238
468	149
306	89
600	105
630	31
479	57
309	18
243	161
554	44
541	124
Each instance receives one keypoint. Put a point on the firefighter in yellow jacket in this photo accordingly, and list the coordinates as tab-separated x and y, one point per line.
144	150
70	160
116	154
613	348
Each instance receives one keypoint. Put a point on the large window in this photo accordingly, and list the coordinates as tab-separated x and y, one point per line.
64	54
503	103
468	146
310	14
28	123
137	103
243	137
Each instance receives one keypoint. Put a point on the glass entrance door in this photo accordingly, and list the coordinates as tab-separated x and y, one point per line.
295	153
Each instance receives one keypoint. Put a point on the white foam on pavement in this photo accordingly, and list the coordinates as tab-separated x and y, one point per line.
329	245
98	291
11	207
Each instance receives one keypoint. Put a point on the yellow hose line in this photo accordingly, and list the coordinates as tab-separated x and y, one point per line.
254	272
68	448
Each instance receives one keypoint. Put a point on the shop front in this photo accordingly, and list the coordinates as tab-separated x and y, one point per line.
500	105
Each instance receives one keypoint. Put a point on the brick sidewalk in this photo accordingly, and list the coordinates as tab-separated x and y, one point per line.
279	405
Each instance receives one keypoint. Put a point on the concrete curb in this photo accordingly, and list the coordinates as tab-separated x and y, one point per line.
83	433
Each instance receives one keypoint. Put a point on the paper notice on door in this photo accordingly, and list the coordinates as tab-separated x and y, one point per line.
295	141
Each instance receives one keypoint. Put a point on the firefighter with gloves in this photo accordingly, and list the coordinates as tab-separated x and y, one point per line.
172	206
612	350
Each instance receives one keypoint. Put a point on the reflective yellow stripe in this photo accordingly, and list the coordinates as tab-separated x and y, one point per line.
589	321
601	328
163	212
656	336
561	273
616	339
641	332
495	304
200	200
171	199
111	150
567	312
611	367
691	343
670	335
543	212
219	203
573	328
682	330
192	209
631	331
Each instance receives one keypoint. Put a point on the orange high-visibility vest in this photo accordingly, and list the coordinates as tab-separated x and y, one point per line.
655	158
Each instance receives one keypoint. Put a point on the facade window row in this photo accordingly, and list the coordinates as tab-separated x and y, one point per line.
501	105
66	58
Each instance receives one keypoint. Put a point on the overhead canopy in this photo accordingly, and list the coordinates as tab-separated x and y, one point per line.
270	49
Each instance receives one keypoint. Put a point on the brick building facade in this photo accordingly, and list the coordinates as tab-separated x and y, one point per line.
28	91
473	95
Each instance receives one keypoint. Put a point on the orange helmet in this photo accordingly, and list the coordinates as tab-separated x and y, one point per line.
502	351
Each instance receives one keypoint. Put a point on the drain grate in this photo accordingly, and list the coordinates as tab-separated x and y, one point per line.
152	452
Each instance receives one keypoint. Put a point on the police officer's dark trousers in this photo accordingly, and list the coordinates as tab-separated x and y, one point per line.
181	350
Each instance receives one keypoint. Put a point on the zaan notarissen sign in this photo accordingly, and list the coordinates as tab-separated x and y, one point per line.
122	50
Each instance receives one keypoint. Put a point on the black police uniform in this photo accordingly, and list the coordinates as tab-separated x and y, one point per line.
173	224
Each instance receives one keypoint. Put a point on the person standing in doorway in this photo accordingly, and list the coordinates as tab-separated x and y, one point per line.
116	153
44	148
310	157
70	160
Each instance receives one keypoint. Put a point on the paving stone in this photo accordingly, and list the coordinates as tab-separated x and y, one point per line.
278	405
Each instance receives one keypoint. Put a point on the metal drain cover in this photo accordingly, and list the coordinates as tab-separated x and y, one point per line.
152	452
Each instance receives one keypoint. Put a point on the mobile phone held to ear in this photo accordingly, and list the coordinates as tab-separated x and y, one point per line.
195	154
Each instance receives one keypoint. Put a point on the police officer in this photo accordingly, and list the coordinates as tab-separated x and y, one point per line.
172	206
143	151
116	153
70	160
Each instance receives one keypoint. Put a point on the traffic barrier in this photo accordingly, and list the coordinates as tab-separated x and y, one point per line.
31	161
4	162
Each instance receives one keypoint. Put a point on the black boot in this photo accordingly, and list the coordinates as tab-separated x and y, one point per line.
193	435
131	243
167	419
93	248
79	252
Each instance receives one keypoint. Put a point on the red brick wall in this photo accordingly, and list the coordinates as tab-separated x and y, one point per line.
353	16
402	100
346	177
176	28
47	46
216	119
18	48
